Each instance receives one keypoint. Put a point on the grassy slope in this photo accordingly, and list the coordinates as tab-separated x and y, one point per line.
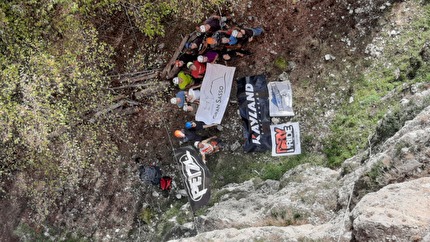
368	95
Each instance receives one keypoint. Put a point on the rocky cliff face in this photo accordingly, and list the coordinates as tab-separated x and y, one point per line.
373	197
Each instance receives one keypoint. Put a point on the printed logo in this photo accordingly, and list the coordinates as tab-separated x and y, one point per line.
195	176
252	112
284	139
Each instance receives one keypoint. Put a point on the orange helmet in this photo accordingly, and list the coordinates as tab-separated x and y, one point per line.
178	134
210	41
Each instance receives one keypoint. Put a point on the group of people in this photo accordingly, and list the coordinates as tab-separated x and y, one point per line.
212	42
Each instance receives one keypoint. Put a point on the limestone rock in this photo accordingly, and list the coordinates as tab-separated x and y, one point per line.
398	212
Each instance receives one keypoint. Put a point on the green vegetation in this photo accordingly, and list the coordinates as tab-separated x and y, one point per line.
53	80
53	71
379	88
376	171
165	224
258	166
146	215
286	218
395	119
176	212
281	63
27	233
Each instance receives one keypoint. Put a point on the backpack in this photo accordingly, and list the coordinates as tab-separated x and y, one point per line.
150	174
166	183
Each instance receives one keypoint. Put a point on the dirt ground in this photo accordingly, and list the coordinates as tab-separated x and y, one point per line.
299	34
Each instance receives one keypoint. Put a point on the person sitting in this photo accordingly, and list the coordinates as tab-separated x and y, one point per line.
185	135
220	41
183	59
197	125
183	80
208	146
245	35
197	69
193	95
181	100
208	57
230	54
196	46
213	24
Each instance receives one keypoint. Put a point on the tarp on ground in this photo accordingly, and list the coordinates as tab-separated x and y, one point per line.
281	99
215	93
253	98
196	176
285	139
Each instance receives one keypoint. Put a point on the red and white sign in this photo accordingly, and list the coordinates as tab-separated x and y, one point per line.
285	139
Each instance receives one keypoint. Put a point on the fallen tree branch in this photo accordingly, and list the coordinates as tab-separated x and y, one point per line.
150	91
132	74
133	86
141	77
171	70
106	110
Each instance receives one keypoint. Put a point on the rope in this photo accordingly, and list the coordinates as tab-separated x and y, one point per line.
170	140
174	154
346	212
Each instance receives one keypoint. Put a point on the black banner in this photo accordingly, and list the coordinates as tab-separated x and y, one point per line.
253	98
196	176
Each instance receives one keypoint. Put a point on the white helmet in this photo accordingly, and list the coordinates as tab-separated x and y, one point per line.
176	80
200	58
234	33
196	144
202	28
173	100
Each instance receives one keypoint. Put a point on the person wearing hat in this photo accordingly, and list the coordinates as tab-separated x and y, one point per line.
179	64
213	24
197	125
187	100
197	69
196	46
183	59
183	81
229	42
245	35
209	57
208	146
180	100
185	135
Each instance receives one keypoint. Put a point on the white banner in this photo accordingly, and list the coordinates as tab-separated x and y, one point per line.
285	139
215	93
281	99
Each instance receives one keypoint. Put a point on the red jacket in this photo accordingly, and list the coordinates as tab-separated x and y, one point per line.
200	70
